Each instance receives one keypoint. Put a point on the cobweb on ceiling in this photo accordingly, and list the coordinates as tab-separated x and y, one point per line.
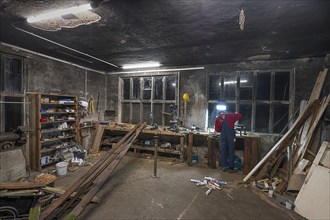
241	19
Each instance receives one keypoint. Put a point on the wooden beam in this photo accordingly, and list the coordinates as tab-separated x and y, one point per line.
20	185
98	138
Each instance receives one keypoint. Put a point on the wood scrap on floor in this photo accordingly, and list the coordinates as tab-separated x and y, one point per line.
98	138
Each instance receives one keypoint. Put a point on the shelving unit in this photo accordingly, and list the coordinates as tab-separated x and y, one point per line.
54	120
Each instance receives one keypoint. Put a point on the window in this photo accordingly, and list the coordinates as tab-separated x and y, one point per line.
11	89
264	98
146	98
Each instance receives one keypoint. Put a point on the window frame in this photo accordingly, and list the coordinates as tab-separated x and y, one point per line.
152	101
271	102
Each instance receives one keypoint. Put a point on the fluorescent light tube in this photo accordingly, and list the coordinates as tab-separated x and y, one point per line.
141	65
234	82
59	12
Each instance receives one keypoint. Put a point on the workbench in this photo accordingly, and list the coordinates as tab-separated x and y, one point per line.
147	134
249	144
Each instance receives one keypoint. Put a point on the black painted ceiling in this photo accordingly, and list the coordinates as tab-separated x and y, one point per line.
175	32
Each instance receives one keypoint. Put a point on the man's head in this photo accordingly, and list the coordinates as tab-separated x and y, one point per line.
222	114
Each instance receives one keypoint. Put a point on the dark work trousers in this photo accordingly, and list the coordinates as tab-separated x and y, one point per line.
227	146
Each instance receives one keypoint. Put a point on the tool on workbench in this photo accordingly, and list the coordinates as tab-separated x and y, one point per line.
174	123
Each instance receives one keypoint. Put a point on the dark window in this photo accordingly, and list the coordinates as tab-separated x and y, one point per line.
147	88
213	113
135	113
214	87
12	74
246	86
170	88
262	118
127	90
263	86
282	85
230	83
158	89
281	117
136	88
246	111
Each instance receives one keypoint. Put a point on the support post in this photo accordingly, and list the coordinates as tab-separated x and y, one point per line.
155	156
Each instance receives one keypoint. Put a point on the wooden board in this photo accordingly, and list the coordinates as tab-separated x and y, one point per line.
97	139
211	154
20	185
250	153
312	201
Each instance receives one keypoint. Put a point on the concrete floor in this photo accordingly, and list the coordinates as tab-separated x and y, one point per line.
131	193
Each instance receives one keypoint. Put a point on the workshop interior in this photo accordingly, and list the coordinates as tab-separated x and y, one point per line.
164	109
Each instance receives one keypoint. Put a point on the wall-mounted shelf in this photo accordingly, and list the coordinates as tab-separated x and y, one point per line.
55	124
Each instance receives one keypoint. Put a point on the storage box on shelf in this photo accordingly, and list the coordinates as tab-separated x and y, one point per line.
54	120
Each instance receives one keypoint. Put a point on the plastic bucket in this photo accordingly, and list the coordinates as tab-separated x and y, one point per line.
62	168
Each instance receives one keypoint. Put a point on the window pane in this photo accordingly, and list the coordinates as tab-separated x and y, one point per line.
246	111
230	82
13	113
135	113
170	87
146	113
282	85
158	89
125	110
157	114
136	88
12	75
231	108
263	86
126	88
262	117
246	86
281	117
147	88
214	87
213	112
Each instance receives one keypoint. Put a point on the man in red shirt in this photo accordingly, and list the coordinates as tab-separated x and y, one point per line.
224	123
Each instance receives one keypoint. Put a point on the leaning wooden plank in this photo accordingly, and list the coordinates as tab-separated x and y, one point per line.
285	139
310	134
318	85
48	212
97	139
20	185
98	183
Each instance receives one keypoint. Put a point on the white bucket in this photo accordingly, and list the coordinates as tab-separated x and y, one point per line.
62	168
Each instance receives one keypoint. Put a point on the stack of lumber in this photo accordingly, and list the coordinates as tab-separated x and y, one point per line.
291	157
84	189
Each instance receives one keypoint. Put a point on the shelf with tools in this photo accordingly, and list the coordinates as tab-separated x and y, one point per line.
55	126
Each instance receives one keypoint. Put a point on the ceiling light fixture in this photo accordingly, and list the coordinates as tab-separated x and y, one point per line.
141	65
59	12
233	82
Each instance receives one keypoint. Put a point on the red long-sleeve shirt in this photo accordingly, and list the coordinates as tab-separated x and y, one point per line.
231	118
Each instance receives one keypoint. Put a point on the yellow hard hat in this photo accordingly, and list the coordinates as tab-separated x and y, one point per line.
186	97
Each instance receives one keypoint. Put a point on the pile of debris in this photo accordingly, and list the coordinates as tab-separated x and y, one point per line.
293	154
289	164
210	183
